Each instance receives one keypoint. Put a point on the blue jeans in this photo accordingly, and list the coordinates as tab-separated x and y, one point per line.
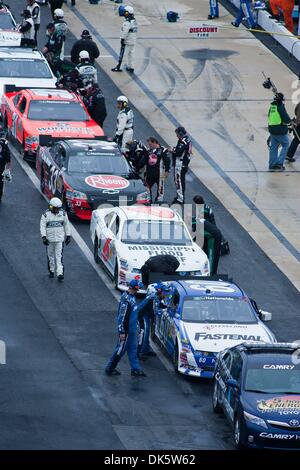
245	10
276	141
129	345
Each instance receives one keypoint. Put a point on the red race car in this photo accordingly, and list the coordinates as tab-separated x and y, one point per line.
31	112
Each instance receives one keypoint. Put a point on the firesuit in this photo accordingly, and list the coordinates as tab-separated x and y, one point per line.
61	27
286	6
166	264
135	152
181	159
124	131
213	9
53	47
127	319
157	164
35	12
212	241
128	38
27	29
245	11
4	161
56	229
87	71
95	103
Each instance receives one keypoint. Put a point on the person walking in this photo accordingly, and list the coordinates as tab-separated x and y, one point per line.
296	140
124	132
213	9
128	40
5	174
127	319
278	120
35	11
245	12
55	230
94	101
86	43
181	156
61	27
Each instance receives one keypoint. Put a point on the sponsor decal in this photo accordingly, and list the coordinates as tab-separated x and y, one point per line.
153	250
270	435
66	128
10	38
294	423
278	366
162	212
233	337
287	404
107	182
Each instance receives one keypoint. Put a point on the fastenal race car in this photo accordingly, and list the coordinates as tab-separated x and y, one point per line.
86	174
257	386
125	237
31	112
24	67
204	317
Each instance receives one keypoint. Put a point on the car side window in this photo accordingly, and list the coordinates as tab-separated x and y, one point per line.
226	362
115	225
108	218
59	156
16	99
22	105
175	300
236	366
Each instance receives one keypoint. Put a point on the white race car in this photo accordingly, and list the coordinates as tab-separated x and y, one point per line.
9	34
24	67
125	237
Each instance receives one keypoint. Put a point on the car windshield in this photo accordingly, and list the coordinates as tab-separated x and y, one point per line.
51	110
24	68
156	232
6	21
274	380
217	310
98	163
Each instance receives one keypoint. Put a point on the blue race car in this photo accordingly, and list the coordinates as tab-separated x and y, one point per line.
258	388
204	317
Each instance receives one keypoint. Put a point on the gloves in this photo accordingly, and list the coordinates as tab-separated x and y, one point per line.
118	139
7	175
45	241
68	239
122	42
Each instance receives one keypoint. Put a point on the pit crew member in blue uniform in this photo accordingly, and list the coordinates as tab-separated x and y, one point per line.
213	9
245	11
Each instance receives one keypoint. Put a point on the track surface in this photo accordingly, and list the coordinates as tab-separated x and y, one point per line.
59	336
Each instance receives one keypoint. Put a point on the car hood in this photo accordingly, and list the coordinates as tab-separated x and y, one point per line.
212	337
278	407
191	258
74	129
85	183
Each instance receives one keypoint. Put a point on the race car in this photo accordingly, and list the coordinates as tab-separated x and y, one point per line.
204	317
24	67
125	237
29	113
86	174
257	386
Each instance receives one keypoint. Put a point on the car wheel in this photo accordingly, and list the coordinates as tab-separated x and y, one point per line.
96	248
238	434
175	358
116	276
215	399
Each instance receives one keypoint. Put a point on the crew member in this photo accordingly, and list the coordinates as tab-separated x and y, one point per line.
296	140
244	12
287	7
213	9
61	27
85	44
53	47
35	12
157	164
127	331
95	103
278	120
128	40
181	159
54	4
124	132
87	71
5	174
70	80
55	230
165	264
27	29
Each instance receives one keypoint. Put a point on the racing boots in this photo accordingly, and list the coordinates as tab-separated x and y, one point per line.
60	277
138	373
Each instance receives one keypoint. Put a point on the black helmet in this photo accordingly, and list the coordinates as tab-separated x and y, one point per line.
198	199
279	97
180	131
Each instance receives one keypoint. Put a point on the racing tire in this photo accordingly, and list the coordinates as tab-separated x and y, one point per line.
175	359
237	434
96	247
116	275
215	399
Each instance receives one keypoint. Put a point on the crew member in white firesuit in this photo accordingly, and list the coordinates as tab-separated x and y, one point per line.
124	132
157	164
61	27
27	29
5	174
55	230
87	71
35	12
128	40
181	159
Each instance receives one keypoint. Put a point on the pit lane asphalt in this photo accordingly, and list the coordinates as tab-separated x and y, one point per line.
59	336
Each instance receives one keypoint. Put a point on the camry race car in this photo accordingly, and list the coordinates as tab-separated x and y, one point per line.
125	238
31	112
204	317
86	174
24	67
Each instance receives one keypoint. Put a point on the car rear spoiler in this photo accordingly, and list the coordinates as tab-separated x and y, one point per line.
48	140
161	277
9	88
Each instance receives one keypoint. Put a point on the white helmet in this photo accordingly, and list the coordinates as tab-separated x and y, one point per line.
59	13
123	99
84	55
55	202
129	10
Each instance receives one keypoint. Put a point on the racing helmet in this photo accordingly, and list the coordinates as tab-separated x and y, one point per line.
122	99
84	55
129	10
55	202
59	13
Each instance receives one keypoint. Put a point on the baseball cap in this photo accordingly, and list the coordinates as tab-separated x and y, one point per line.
50	25
134	284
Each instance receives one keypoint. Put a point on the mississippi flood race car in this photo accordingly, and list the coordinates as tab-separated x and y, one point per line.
257	386
86	174
204	317
24	67
29	113
125	238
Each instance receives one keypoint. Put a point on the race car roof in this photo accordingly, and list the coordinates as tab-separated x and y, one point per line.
89	145
21	53
150	213
49	94
210	288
